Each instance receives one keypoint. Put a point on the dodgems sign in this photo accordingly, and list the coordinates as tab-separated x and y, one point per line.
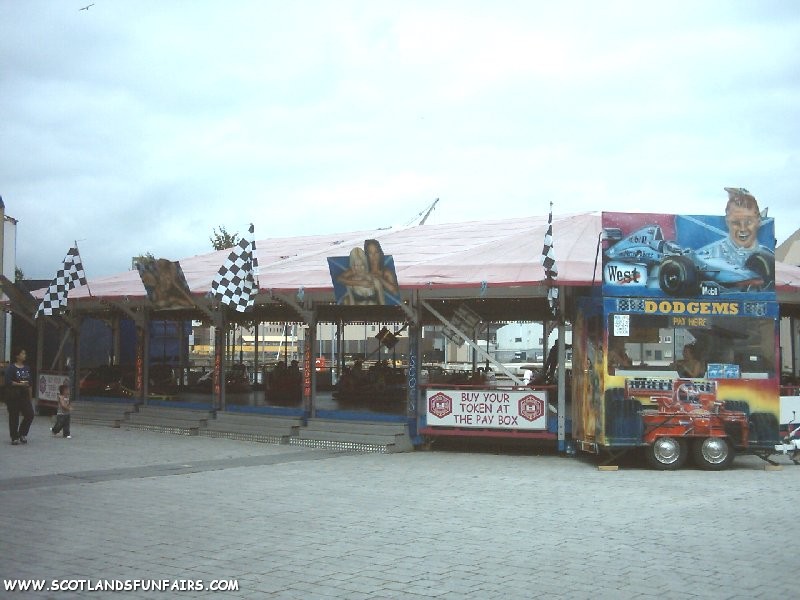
493	409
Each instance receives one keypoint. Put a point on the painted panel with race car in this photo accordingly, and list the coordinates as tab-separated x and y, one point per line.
657	255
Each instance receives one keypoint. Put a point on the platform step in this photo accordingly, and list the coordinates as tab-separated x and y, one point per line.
247	418
355	435
255	427
168	420
102	413
368	427
165	419
169	412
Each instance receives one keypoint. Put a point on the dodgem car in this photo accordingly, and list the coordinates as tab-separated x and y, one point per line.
108	380
687	271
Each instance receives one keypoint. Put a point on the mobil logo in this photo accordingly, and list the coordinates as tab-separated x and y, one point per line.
531	407
440	405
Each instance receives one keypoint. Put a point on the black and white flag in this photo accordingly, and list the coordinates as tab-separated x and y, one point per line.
549	264
69	276
236	282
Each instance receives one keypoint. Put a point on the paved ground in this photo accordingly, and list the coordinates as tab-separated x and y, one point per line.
290	522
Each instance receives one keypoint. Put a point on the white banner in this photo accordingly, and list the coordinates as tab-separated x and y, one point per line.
494	409
48	385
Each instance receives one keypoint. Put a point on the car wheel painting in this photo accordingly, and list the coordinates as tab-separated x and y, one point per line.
678	276
764	265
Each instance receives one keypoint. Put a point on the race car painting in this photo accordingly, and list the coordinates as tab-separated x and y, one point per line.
645	259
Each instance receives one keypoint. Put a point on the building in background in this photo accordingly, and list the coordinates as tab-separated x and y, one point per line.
8	263
789	252
520	342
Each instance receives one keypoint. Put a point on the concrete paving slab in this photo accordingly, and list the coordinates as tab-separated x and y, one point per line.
287	522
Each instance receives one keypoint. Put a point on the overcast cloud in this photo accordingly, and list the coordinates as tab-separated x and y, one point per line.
139	126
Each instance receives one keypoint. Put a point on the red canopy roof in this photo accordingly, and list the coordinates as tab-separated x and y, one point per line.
502	253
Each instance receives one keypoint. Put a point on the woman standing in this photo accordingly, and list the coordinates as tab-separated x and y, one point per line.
18	398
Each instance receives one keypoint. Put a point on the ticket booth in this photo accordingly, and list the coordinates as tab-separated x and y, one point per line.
680	343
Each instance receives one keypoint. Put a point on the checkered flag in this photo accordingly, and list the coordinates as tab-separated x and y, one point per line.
69	276
236	282
549	263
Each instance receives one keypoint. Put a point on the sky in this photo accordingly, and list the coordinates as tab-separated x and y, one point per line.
140	126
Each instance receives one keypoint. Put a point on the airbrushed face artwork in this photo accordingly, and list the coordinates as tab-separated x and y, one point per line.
743	224
365	277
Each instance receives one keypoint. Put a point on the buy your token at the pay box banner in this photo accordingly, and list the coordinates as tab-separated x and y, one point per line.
487	408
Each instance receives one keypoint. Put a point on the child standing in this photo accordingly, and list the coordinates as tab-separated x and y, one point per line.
64	410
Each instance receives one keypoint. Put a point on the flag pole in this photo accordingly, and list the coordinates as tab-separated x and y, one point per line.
548	260
254	260
84	270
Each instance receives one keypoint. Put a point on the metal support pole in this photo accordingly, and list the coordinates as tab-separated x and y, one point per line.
255	354
794	333
40	349
75	371
474	347
414	365
220	348
286	344
182	352
562	379
334	349
341	349
115	340
309	372
140	337
146	356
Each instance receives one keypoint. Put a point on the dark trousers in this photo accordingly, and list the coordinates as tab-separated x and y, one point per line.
19	404
62	422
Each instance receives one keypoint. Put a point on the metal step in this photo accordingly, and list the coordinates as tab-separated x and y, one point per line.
362	436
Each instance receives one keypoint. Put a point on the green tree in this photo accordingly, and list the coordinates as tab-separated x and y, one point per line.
18	274
222	240
145	258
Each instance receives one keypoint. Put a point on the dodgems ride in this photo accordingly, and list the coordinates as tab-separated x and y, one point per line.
645	258
680	345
